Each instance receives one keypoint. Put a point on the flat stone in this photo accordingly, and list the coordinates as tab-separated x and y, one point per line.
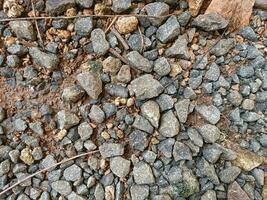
23	29
120	166
66	119
162	66
57	7
169	30
182	109
210	133
138	61
169	126
151	111
235	192
143	174
108	150
179	48
62	187
91	83
146	87
47	60
181	152
209	113
210	22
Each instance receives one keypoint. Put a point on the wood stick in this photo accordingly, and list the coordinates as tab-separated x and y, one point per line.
80	16
116	54
36	25
120	38
46	169
111	24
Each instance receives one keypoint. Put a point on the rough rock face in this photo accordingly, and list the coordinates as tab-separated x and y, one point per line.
210	22
235	192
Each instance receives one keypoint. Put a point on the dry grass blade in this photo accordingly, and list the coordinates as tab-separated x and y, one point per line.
46	169
111	24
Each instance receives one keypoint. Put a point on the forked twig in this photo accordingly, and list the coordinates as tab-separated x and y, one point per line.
46	169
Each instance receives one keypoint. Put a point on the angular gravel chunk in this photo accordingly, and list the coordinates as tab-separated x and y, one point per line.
210	22
85	131
100	44
162	66
146	87
181	108
138	140
138	61
57	7
91	83
150	110
229	174
143	124
179	48
97	114
108	150
210	133
209	113
119	6
72	173
62	187
169	126
143	174
169	30
66	119
83	26
72	93
157	9
139	192
120	166
23	29
181	152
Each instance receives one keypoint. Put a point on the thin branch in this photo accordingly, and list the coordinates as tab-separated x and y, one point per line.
111	24
46	169
116	54
142	39
120	38
81	16
36	25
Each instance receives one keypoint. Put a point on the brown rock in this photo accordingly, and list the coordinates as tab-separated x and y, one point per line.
194	6
126	25
261	4
235	192
237	11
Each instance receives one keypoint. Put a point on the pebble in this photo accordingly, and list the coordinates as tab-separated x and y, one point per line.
26	156
210	194
213	73
139	62
4	167
91	83
181	152
210	133
169	126
229	174
85	131
146	87
248	33
223	47
169	30
157	9
151	111
248	104
209	113
124	74
235	192
139	192
182	109
195	137
162	66
108	150
119	6
72	93
23	29
62	187
72	173
235	98
99	42
111	65
179	48
66	119
20	125
143	173
142	124
138	140
210	22
126	25
165	102
212	153
96	114
120	166
116	90
83	26
246	71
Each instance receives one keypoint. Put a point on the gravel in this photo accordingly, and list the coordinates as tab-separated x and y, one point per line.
111	149
157	9
139	62
72	173
209	113
182	109
179	48
210	133
83	26
23	29
143	174
62	187
169	126
119	6
100	44
120	166
162	66
151	111
210	22
169	30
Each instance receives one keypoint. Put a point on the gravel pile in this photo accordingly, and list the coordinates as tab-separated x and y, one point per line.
170	121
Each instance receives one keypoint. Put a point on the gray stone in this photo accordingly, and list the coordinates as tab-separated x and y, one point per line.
13	61
74	196
182	109
209	113
162	66
189	184
22	197
146	87
208	171
210	133
37	153
181	152
165	147
116	90
138	140
57	7
91	83
83	26
99	192
248	104
14	155
119	6
169	30
45	196
85	3
213	73
195	137
48	161
223	47
139	62
120	166
142	124
209	195
143	174
235	192
85	131
184	18
4	167
169	126
210	22
149	156
66	119
72	173
165	102
261	96
62	187
108	150
179	48
139	42
263	140
109	109
23	29
248	33
17	49
246	71
161	197
100	44
212	153
97	114
157	9
124	75
258	175
36	127
235	98
150	110
72	93
139	192
20	125
250	116
46	60
229	174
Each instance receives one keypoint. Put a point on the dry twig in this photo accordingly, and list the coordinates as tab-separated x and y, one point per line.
111	24
115	53
36	25
142	39
46	169
120	38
